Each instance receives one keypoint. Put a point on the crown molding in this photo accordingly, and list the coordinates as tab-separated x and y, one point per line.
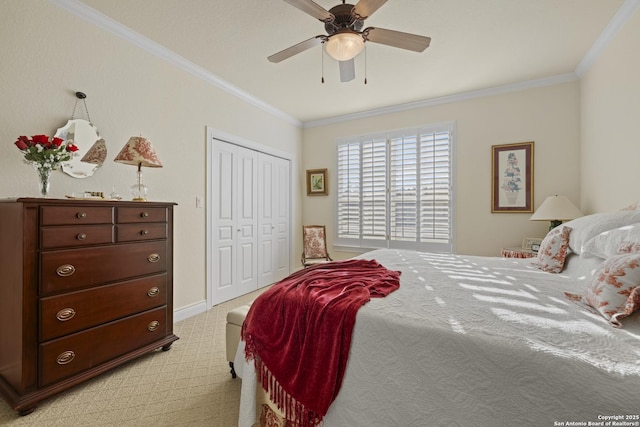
102	21
607	35
514	87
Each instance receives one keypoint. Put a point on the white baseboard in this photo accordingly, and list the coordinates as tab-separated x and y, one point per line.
190	310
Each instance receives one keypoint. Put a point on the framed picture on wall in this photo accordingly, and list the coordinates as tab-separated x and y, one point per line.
512	177
317	182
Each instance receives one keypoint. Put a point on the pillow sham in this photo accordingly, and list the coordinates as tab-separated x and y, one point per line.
632	207
608	243
553	250
587	227
614	291
629	248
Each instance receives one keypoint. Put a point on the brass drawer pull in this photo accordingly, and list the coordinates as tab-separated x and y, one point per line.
65	314
153	292
81	236
153	325
81	215
65	270
65	357
144	215
153	258
144	232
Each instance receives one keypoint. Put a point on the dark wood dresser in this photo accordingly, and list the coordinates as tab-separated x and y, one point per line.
85	285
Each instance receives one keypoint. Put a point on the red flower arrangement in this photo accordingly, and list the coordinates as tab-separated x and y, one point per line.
45	152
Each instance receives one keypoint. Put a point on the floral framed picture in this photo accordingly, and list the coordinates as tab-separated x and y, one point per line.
512	178
317	182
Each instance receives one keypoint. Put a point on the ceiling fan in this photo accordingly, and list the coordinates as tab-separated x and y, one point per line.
345	40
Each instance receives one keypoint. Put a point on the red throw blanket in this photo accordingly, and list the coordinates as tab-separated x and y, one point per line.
299	333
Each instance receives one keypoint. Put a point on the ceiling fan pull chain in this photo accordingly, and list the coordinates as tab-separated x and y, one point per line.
322	56
365	64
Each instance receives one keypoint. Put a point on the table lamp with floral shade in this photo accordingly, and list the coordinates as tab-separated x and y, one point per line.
138	151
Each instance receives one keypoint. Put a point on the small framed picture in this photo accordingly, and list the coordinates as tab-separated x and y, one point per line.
529	242
535	247
317	182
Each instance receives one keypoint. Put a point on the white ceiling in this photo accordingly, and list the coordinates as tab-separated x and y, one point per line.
476	45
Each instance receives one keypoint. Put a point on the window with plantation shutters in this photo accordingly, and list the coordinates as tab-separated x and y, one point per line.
394	190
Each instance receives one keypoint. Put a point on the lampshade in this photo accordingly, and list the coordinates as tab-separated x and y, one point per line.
344	45
139	151
97	154
556	209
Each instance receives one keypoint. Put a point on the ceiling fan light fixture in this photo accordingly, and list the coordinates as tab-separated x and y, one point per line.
343	46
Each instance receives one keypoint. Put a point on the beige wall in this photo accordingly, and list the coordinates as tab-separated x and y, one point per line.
548	116
610	126
48	54
580	129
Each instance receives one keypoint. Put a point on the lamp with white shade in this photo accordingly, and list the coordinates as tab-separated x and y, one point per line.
138	151
556	209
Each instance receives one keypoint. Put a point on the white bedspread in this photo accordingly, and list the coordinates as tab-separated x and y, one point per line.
476	341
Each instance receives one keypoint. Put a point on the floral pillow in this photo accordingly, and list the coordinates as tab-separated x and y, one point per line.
614	290
608	243
553	250
587	227
629	248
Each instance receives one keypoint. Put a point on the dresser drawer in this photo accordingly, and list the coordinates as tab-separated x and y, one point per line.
72	312
136	232
69	269
141	214
68	215
75	353
75	235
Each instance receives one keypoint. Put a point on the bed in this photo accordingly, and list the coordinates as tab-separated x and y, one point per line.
483	341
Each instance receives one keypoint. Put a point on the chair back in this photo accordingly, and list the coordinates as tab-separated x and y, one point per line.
314	245
315	241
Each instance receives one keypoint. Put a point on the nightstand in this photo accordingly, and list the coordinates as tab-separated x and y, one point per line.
517	253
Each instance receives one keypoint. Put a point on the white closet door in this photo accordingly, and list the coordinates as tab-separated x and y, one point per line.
234	221
273	220
281	219
247	220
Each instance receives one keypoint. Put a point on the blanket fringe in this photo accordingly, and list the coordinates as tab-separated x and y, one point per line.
294	411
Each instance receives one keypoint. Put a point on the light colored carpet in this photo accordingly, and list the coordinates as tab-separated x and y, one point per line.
189	385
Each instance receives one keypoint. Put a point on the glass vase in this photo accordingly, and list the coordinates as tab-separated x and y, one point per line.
44	178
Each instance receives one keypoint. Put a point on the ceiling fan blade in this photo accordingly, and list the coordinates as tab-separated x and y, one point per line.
365	8
311	8
399	39
295	49
347	70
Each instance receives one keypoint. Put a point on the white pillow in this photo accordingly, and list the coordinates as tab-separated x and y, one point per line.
587	227
607	243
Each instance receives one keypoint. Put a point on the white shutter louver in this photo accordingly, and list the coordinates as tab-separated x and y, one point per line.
395	190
